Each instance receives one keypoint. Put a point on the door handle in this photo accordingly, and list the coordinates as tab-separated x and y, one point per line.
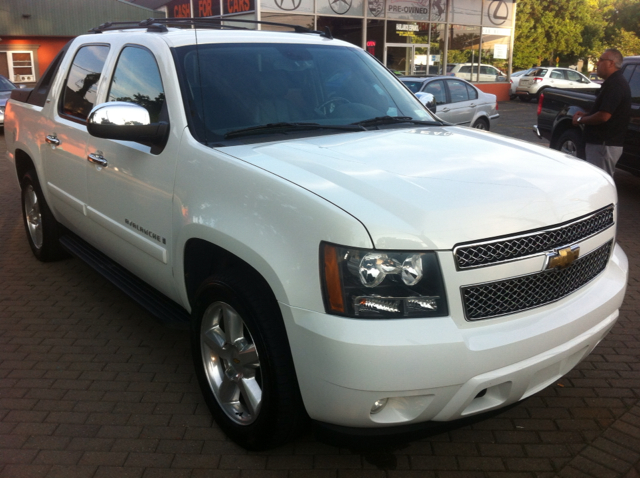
97	159
52	139
445	109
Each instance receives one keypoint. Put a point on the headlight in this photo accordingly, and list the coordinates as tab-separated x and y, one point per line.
383	284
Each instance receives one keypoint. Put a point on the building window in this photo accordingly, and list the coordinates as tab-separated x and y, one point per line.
21	69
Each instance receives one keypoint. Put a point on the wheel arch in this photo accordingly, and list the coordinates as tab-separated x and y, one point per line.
482	116
23	163
558	129
202	259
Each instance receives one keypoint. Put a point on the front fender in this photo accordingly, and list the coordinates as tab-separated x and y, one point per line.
267	221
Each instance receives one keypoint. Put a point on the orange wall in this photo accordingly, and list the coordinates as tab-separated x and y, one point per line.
49	47
501	89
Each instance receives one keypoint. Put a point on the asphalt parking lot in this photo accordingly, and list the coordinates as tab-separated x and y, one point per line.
93	386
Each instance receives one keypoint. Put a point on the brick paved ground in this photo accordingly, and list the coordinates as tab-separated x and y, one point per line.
92	386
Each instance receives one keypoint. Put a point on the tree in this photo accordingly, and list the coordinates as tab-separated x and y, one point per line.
548	28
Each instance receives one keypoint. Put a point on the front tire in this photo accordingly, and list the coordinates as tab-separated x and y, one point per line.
43	231
571	142
243	362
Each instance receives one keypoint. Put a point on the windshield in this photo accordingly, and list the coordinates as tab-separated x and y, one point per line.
228	87
6	84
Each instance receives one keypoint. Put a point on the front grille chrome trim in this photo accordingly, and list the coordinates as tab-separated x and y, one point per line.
536	243
518	294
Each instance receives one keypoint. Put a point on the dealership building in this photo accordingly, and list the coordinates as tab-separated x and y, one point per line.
409	36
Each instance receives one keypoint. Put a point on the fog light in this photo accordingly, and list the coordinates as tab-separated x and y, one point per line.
378	405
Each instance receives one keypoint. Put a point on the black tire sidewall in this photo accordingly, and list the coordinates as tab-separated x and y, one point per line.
482	120
267	430
576	137
50	249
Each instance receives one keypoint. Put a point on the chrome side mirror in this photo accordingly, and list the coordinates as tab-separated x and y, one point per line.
119	113
127	122
428	100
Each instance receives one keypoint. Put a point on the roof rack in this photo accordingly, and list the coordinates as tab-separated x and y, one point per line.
160	25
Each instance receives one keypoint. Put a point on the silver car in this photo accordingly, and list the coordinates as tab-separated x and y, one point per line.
534	82
457	101
515	81
5	92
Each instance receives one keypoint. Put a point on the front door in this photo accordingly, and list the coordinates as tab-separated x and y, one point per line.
131	192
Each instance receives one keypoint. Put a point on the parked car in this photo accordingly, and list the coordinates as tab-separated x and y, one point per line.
457	101
536	81
469	71
5	92
515	81
593	76
557	107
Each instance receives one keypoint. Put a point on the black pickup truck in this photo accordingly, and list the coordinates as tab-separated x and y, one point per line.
556	108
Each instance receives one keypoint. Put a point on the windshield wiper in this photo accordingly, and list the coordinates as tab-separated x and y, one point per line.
283	127
382	120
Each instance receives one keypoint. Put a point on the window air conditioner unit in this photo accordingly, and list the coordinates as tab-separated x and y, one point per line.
26	78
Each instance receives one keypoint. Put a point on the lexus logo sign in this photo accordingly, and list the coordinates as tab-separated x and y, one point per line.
498	12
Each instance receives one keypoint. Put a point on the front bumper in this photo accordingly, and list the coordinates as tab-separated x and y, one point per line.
441	369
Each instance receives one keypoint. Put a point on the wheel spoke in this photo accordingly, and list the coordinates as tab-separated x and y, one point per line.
215	342
248	355
252	394
228	392
232	325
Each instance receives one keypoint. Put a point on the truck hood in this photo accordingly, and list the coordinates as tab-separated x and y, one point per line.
435	187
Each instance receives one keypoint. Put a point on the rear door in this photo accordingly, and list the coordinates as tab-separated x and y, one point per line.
63	152
462	105
557	79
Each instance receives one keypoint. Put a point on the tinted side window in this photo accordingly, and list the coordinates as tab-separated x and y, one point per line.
40	92
465	69
458	91
628	71
436	88
634	84
82	83
137	80
574	75
472	92
538	72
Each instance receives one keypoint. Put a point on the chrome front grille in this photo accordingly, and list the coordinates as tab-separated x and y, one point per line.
524	245
517	294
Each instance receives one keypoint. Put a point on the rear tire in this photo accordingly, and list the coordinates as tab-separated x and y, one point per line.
43	231
571	142
481	123
243	362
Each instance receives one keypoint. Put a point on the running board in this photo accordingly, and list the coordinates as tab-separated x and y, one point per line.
164	309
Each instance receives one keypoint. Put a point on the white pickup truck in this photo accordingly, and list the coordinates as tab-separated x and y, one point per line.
340	253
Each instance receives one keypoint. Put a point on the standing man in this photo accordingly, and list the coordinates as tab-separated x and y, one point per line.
606	124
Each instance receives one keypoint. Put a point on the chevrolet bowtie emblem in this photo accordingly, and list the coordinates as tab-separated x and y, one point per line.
561	258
